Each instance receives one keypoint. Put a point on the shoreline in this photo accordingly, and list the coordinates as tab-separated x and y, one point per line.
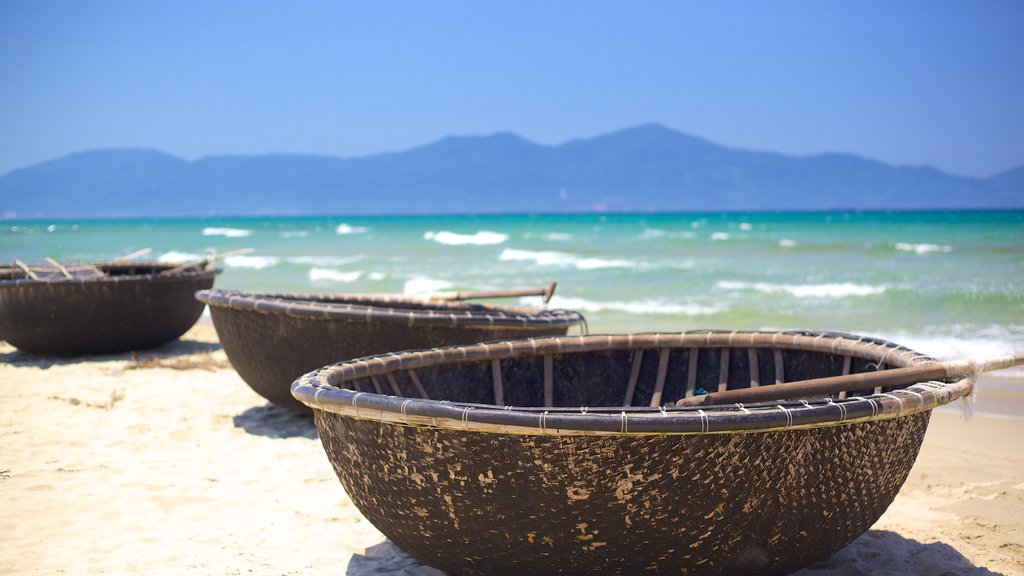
166	462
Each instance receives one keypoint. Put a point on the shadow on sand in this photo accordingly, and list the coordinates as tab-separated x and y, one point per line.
885	553
876	553
275	422
175	349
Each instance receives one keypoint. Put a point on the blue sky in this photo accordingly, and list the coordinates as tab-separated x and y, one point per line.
909	82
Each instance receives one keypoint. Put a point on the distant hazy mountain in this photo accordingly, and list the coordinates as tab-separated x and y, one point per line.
639	169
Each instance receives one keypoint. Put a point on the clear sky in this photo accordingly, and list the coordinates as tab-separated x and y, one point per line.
905	82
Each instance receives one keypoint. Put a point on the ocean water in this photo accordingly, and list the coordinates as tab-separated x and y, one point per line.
946	283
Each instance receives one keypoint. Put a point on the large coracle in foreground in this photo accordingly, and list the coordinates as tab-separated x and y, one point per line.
567	455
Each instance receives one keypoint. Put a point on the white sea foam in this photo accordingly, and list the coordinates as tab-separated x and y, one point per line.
632	307
347	229
923	248
652	233
745	226
332	275
553	258
539	257
228	232
175	257
787	243
481	238
294	234
377	276
717	236
832	290
595	263
253	262
424	285
324	260
51	228
558	237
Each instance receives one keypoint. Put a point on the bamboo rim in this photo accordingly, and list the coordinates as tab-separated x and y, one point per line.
325	389
379	307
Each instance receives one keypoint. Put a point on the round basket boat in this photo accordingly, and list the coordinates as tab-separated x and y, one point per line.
567	455
121	306
272	338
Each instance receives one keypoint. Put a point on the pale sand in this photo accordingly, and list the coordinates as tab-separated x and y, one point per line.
156	470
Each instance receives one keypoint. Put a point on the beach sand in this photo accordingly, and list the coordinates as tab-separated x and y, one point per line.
167	463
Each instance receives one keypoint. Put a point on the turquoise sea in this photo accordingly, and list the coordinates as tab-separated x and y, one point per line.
946	283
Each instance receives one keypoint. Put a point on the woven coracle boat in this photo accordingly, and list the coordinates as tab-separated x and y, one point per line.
98	308
568	455
273	338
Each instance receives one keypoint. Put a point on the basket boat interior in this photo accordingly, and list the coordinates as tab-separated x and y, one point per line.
282	301
91	271
643	372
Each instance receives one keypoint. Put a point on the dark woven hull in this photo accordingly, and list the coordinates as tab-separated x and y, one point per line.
569	455
270	348
132	310
474	503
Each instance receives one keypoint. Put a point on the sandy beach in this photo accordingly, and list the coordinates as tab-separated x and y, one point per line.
165	462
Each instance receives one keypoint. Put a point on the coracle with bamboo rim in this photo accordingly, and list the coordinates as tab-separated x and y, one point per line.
568	455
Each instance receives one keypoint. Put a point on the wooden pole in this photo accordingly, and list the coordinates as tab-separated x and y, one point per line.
206	261
133	255
546	292
852	382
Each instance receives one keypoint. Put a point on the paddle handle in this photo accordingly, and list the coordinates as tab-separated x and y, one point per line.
133	255
546	292
206	261
853	382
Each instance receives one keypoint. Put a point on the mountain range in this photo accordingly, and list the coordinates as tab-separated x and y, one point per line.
646	168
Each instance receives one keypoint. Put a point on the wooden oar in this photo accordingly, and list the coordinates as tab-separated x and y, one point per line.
133	255
208	260
546	292
853	382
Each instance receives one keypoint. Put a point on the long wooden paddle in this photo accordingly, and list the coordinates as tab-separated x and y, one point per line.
133	255
546	292
853	382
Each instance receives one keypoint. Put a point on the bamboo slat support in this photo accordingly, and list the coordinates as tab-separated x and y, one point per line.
499	391
780	370
847	361
24	268
755	377
549	382
394	384
376	385
659	384
723	371
59	266
418	384
691	372
634	375
852	382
